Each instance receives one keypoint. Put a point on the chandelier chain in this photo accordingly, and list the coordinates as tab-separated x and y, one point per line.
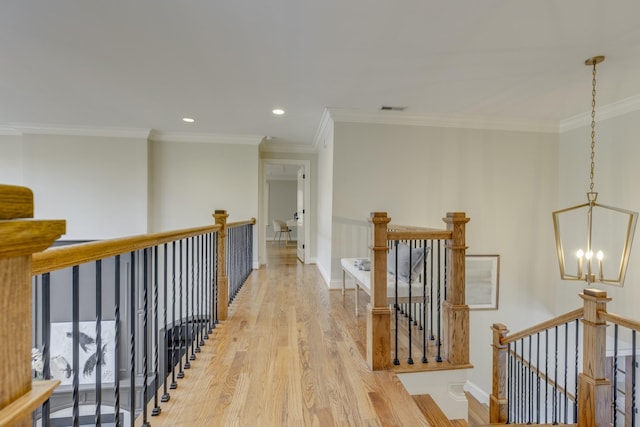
593	126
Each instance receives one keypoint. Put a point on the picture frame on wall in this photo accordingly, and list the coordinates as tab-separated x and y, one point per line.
482	273
61	359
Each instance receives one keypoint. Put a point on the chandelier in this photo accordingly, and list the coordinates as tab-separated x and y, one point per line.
594	241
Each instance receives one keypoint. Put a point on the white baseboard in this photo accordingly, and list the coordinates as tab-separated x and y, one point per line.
311	260
324	274
480	395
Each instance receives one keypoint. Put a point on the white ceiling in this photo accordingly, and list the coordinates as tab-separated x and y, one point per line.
145	64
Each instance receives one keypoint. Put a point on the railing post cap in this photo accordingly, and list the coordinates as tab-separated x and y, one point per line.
379	218
597	293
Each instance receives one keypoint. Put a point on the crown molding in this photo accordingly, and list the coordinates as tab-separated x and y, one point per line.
449	121
9	131
283	147
48	129
609	111
204	138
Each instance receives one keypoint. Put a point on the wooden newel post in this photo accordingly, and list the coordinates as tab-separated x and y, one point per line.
378	313
594	390
223	281
498	401
455	309
20	237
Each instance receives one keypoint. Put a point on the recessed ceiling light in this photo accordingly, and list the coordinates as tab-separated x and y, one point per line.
278	111
188	120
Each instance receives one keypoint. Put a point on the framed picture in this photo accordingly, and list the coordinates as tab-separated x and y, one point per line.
62	352
482	274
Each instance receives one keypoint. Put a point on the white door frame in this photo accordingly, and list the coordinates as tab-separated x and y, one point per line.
264	205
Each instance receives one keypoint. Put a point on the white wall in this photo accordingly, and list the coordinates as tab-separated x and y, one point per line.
11	160
98	184
617	154
188	181
505	181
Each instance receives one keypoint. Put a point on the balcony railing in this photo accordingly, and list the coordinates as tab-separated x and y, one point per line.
114	322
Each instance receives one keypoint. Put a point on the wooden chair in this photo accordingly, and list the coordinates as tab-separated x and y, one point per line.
280	227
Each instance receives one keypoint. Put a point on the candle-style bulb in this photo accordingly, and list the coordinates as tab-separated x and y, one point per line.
589	255
580	254
600	255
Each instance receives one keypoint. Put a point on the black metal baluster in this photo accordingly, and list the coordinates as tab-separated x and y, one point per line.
181	267
521	377
508	380
193	301
424	303
530	399
575	403
546	375
538	378
75	337
165	375
174	384
215	278
116	358
199	291
634	364
156	334
46	343
438	306
431	299
614	401
187	363
396	361
410	358
566	372
132	340
145	336
555	379
207	286
98	399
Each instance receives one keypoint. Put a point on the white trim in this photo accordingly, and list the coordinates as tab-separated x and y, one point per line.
605	112
322	127
325	276
480	395
264	209
9	131
312	260
47	129
284	147
206	138
452	121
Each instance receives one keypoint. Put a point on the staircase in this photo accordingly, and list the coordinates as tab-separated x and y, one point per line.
434	414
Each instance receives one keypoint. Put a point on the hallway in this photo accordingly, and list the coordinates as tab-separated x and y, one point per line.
290	354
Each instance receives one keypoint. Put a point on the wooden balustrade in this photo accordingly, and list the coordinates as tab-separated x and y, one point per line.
20	237
456	312
594	394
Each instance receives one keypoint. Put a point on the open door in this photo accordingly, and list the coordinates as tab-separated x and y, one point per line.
300	211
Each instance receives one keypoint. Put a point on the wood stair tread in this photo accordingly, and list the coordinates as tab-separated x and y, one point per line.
432	411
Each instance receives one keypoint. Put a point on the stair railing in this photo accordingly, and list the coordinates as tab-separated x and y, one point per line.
117	322
570	369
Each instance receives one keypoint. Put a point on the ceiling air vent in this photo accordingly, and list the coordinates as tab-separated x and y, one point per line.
391	108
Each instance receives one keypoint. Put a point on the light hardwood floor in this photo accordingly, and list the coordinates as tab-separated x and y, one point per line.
290	354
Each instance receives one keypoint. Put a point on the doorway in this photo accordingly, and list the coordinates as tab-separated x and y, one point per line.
285	192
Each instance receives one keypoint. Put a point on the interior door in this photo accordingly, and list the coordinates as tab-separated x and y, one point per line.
300	210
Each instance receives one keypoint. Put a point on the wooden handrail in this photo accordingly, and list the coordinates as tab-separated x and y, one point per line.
403	232
619	320
67	256
557	321
251	221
